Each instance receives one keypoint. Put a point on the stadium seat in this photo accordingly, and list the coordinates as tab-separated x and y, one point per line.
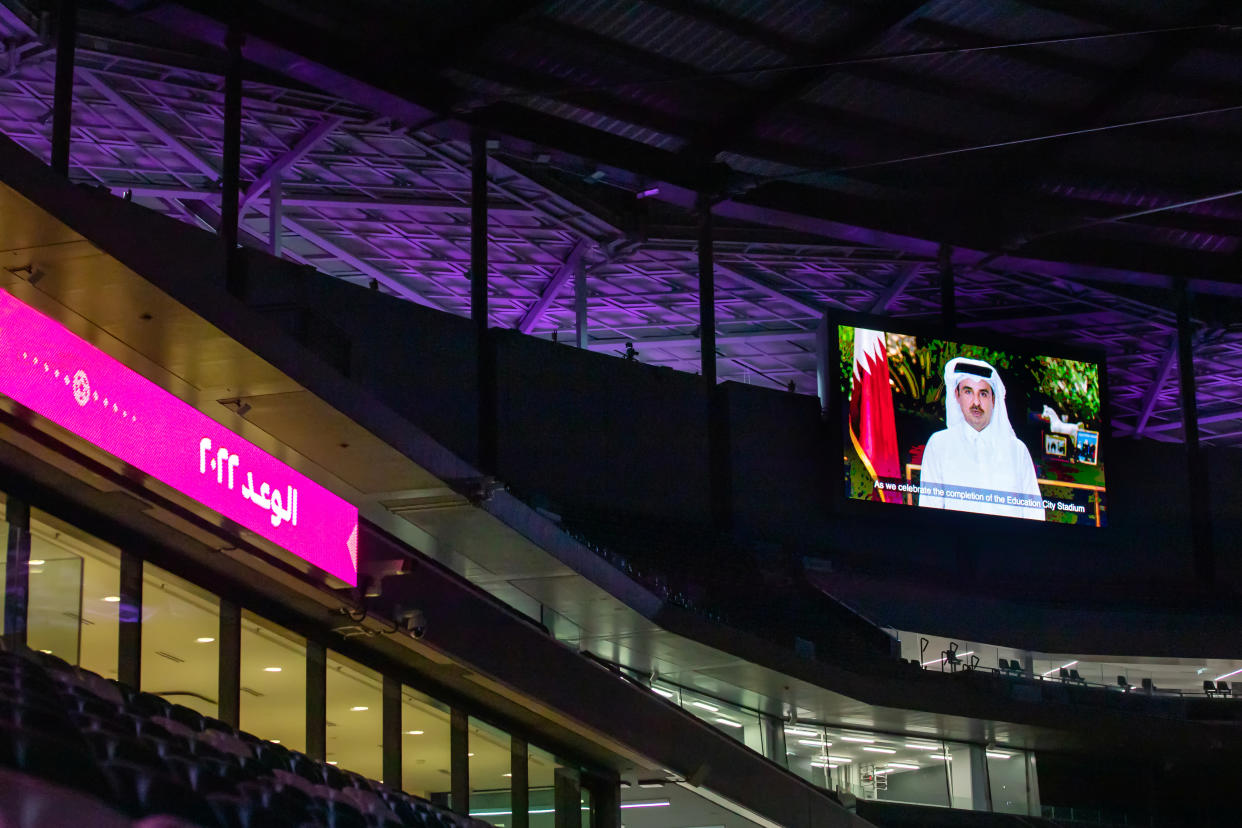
29	802
1222	689
1123	683
1075	677
1148	686
1209	688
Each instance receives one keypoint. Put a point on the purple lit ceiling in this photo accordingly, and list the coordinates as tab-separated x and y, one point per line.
370	193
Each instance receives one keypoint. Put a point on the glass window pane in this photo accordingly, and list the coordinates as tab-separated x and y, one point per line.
490	773
541	782
74	603
273	682
1007	779
355	717
180	655
425	767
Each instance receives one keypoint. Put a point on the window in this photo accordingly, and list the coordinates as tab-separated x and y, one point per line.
1007	780
355	717
180	654
75	608
491	762
273	682
426	770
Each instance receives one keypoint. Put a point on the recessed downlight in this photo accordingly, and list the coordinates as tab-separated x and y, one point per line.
277	670
204	639
112	599
413	733
36	562
358	708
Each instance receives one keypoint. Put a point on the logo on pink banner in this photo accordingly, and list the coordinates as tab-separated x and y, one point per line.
75	385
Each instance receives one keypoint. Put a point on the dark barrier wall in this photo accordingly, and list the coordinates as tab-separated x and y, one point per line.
587	431
782	461
584	432
417	360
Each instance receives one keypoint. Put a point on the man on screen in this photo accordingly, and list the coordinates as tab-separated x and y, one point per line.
978	464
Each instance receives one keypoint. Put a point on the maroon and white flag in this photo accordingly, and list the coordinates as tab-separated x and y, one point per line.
872	427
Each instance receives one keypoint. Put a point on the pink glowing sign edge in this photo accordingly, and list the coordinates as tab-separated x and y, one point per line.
56	374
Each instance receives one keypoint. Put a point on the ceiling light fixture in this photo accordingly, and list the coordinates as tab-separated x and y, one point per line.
661	691
204	639
879	750
728	722
842	760
277	670
903	765
709	708
800	731
814	742
650	803
35	562
995	755
112	599
355	709
922	747
861	739
827	765
413	733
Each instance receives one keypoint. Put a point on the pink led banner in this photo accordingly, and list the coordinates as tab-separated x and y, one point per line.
75	385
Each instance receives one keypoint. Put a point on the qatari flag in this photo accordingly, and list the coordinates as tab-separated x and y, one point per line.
872	428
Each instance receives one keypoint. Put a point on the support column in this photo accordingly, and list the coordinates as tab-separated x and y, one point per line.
459	760
567	794
519	787
948	287
605	801
707	295
1196	468
231	160
717	404
62	100
275	216
229	709
580	305
774	740
17	573
391	738
316	700
486	365
129	633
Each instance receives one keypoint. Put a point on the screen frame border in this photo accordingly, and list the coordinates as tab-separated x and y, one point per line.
834	400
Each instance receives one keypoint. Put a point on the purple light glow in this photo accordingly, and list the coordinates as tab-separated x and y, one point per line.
75	385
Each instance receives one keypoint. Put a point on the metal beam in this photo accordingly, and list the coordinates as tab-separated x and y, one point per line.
1157	383
338	252
149	124
562	275
721	339
763	287
437	204
292	156
62	100
886	299
581	322
1126	431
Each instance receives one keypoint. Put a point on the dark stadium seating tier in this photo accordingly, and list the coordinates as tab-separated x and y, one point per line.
137	755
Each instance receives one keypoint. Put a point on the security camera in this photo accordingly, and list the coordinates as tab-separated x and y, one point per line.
413	622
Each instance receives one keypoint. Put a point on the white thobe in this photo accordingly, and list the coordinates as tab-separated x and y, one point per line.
997	475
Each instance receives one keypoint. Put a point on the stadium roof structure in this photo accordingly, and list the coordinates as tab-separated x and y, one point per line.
1075	161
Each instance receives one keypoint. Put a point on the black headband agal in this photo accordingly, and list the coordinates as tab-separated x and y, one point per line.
978	370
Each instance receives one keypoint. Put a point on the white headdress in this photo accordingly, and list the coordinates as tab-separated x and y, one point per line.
960	368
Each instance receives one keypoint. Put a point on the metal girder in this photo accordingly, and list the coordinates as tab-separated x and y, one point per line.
294	154
721	339
775	293
1151	431
437	204
149	124
558	281
794	84
901	281
1167	361
338	252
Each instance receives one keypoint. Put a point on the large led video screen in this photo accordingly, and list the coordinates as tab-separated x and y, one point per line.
937	423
